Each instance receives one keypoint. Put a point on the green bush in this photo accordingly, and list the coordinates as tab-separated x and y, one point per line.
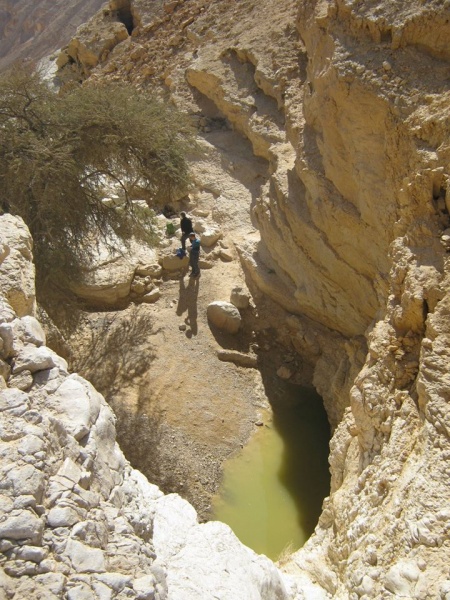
58	154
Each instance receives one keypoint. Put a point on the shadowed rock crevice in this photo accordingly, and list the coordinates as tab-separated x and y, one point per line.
125	15
248	79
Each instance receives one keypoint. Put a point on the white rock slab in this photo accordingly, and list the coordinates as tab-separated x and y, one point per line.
77	404
224	315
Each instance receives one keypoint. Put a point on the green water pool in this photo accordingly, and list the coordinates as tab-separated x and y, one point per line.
272	491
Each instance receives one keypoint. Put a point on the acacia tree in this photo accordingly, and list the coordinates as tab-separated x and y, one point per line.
57	152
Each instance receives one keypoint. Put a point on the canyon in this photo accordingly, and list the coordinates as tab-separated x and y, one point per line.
31	30
324	134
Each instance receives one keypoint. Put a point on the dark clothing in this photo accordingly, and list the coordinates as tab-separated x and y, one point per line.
186	225
194	257
186	229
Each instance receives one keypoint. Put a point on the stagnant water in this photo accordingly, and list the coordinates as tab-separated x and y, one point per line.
272	491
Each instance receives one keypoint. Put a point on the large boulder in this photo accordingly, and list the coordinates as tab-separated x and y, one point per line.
172	262
94	40
210	236
16	265
224	315
108	285
109	282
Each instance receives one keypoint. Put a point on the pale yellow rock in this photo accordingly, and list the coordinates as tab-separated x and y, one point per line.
151	296
93	41
174	263
16	265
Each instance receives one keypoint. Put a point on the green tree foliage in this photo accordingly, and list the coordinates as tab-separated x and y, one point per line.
58	151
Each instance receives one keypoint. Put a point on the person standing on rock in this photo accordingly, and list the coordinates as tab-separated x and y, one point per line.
194	255
186	229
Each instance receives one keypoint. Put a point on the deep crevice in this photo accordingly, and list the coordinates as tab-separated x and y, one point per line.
126	18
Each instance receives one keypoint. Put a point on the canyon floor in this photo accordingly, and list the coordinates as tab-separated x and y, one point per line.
181	412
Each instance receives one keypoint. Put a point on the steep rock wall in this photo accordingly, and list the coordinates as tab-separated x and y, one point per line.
383	523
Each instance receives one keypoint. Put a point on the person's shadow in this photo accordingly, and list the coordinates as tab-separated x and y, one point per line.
187	302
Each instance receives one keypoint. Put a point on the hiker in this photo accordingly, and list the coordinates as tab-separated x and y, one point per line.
186	229
194	255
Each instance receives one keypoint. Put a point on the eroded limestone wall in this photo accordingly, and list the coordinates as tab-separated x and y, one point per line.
378	104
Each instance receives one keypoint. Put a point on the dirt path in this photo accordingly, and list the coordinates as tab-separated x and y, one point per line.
181	411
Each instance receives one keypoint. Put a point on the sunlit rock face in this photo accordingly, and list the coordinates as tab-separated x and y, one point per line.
30	30
344	109
376	112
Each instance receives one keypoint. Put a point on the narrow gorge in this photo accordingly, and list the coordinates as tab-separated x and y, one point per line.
320	189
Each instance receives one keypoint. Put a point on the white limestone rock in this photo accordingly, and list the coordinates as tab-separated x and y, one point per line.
402	578
85	559
31	553
210	236
115	581
144	587
22	525
62	516
186	547
7	313
9	344
17	268
29	330
240	297
34	359
21	381
151	297
77	404
28	485
224	315
13	400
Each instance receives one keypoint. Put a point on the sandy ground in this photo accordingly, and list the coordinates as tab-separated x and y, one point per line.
180	410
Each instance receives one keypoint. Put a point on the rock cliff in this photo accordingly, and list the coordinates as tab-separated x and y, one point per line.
338	112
